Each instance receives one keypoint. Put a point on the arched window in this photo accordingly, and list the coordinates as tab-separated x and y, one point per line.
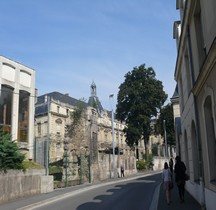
211	141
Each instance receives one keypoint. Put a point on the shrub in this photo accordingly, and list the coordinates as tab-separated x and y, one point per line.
140	165
55	169
31	165
10	155
149	162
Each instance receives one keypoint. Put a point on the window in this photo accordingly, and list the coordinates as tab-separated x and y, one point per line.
117	137
6	97
211	141
199	34
39	129
58	128
187	69
58	109
23	118
58	147
181	95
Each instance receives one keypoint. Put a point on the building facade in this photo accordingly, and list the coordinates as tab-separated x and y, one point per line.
195	71
17	99
93	139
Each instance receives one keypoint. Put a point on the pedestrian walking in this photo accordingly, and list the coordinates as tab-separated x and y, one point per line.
179	171
122	171
171	165
167	182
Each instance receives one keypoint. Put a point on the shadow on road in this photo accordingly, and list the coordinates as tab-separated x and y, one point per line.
137	194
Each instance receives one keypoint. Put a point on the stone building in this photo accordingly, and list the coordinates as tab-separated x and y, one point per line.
195	73
91	143
17	99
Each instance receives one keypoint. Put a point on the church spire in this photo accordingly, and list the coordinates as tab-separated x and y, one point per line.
93	89
94	100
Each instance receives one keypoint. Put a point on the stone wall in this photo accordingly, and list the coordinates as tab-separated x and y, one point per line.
17	184
159	163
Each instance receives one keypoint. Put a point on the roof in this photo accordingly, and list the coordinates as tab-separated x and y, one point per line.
175	94
94	102
41	105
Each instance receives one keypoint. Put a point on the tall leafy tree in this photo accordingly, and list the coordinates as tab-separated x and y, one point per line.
166	115
140	97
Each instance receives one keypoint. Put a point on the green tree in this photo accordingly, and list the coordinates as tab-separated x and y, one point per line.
139	98
166	114
76	117
10	155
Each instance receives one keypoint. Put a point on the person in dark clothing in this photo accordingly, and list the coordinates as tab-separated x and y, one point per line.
179	171
122	171
171	165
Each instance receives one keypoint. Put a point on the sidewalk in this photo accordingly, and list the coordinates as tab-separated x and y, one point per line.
189	204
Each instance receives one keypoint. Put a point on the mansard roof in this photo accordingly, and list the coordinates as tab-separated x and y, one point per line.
41	105
175	94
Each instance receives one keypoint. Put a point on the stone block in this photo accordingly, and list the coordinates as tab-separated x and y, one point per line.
47	184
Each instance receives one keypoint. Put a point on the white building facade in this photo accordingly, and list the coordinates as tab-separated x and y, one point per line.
17	99
195	74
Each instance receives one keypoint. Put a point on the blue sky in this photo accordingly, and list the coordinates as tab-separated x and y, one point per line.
70	43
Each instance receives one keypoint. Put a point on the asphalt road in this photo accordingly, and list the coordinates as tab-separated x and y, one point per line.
135	194
139	191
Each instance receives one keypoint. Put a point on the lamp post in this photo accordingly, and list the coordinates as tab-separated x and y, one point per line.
113	143
165	138
119	150
48	135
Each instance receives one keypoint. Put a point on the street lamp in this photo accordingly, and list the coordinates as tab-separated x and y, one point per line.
165	138
113	143
48	135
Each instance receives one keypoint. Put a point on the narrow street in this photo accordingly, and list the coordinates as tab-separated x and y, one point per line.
135	194
122	194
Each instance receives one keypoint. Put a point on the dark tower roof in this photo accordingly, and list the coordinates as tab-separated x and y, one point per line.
93	99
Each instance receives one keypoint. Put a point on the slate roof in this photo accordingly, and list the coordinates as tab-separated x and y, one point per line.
94	102
41	105
175	94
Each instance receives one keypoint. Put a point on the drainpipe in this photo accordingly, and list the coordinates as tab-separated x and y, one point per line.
198	137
